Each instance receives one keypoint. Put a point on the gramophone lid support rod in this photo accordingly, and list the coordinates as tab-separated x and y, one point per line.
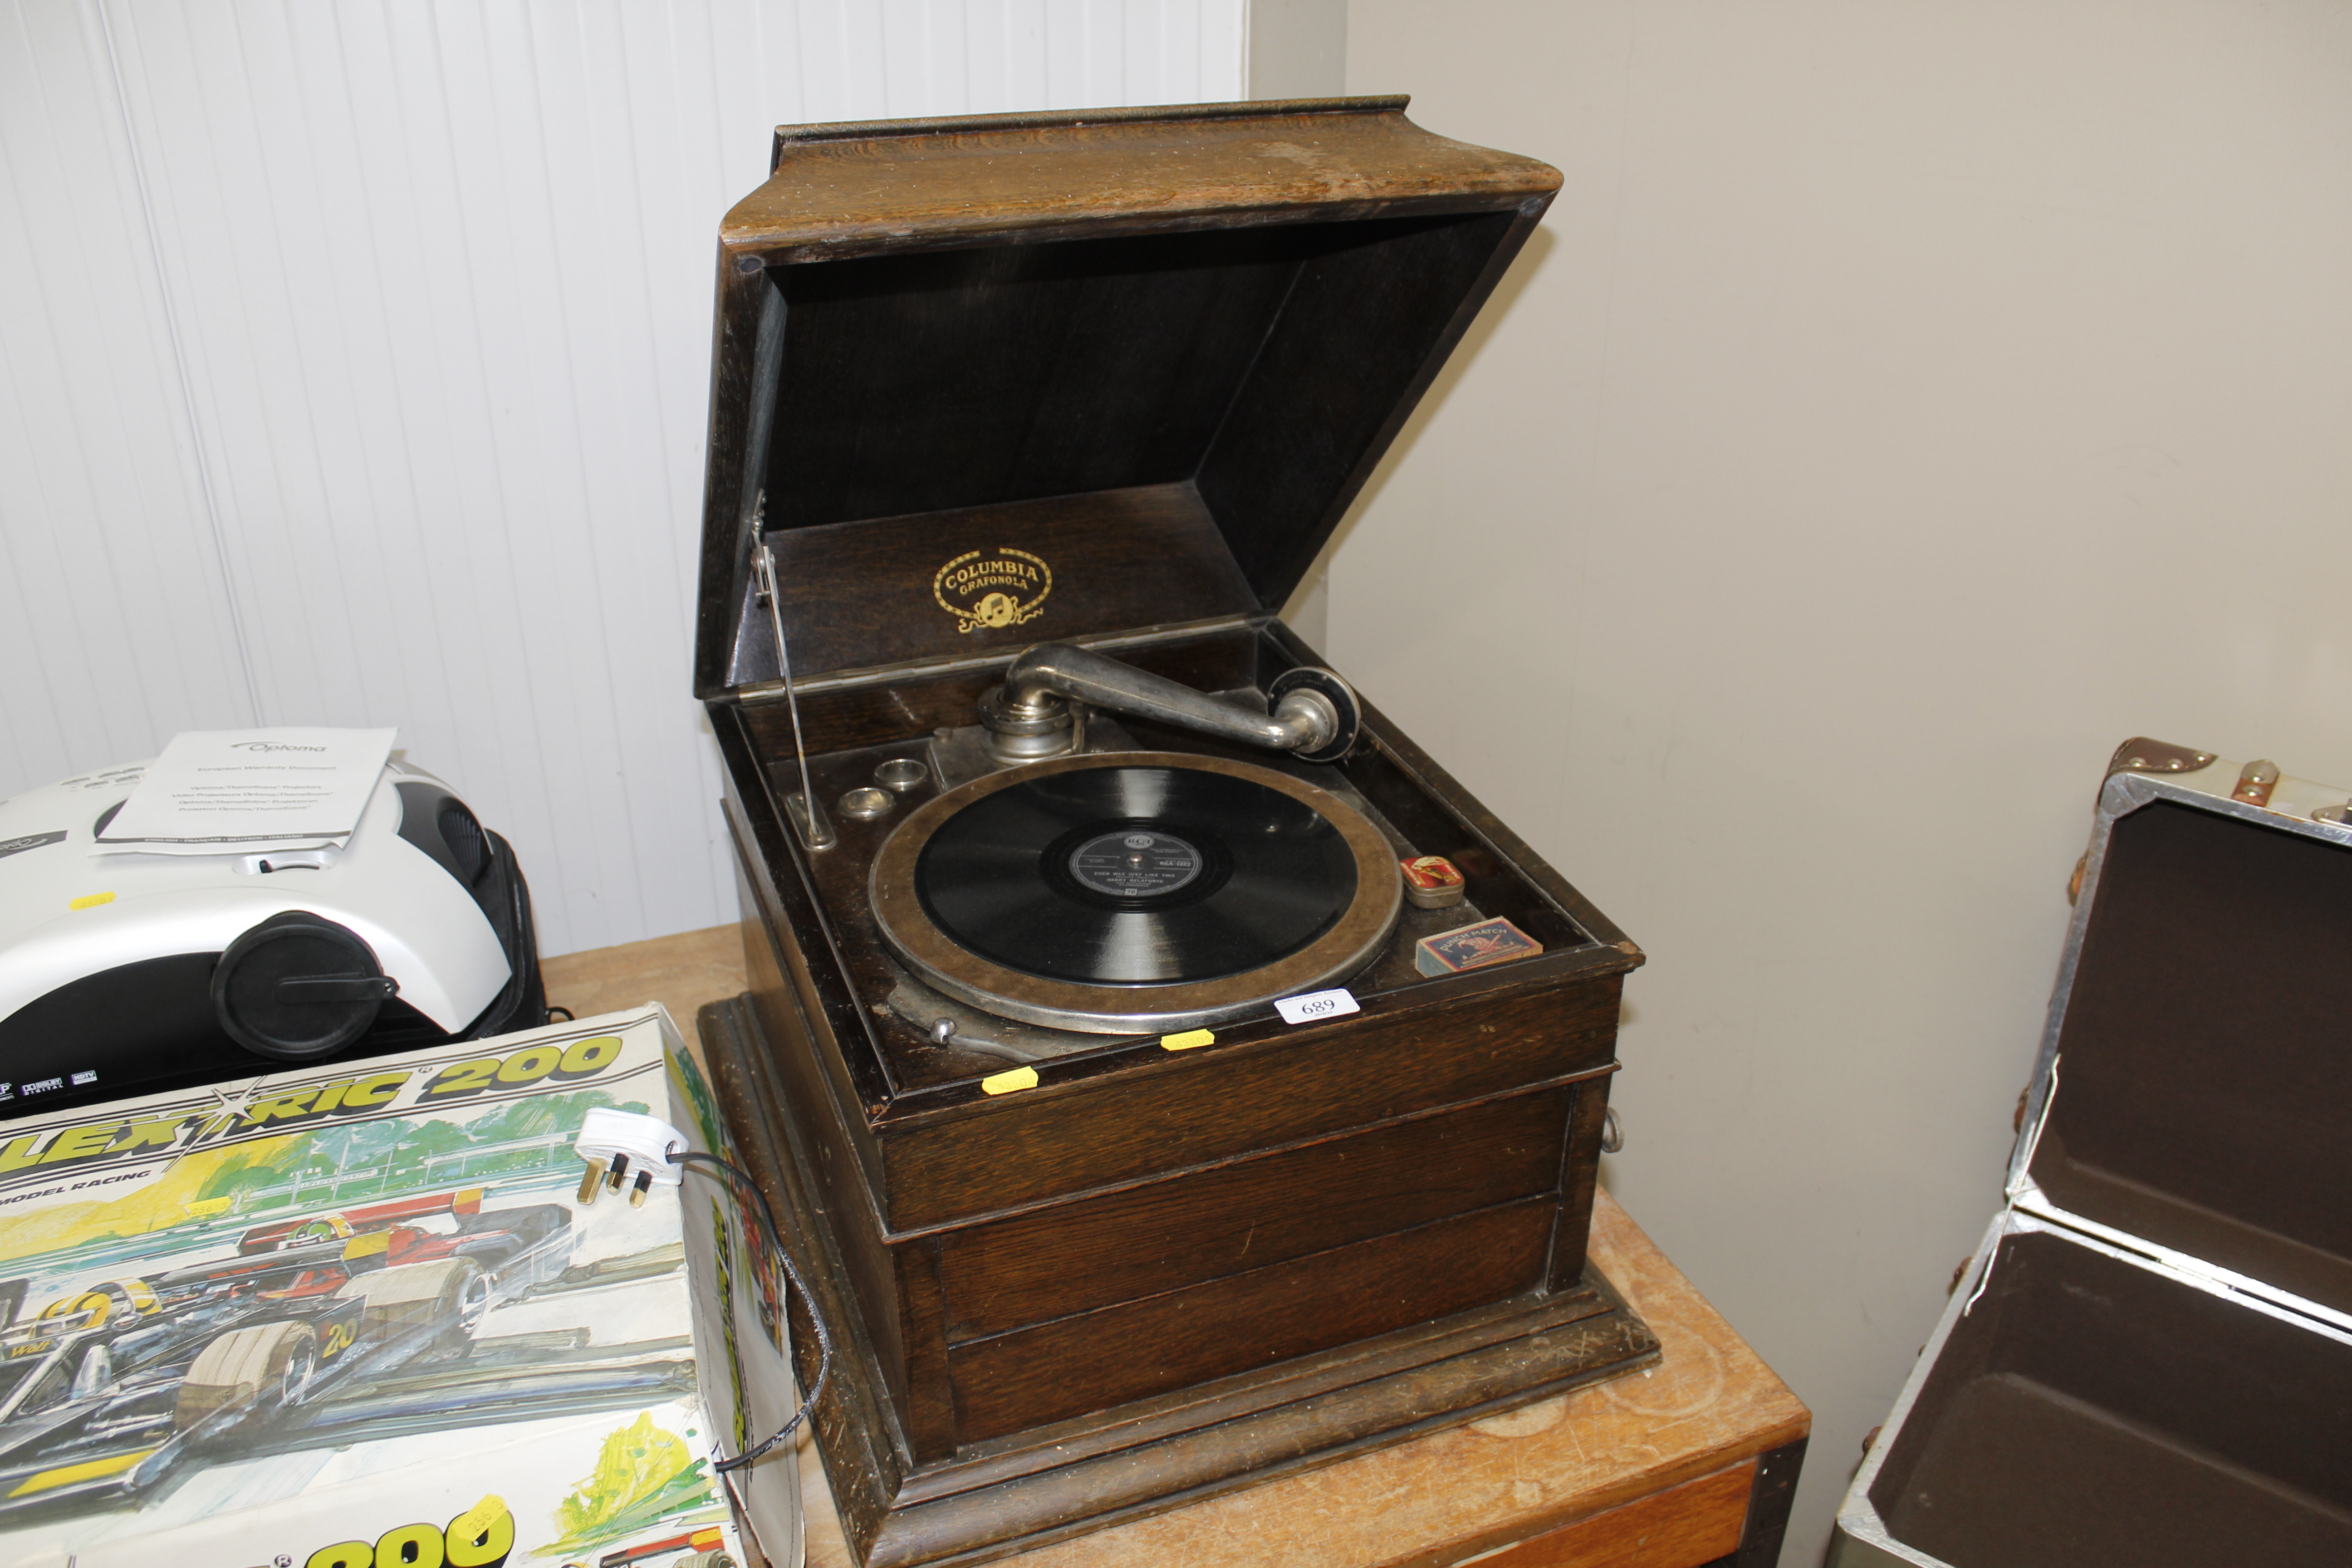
816	830
1303	720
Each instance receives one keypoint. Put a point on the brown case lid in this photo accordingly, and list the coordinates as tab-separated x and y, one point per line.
991	381
2200	1035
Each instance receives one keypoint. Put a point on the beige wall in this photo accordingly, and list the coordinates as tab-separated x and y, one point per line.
1297	48
1903	403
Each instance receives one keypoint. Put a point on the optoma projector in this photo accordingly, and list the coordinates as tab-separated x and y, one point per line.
122	974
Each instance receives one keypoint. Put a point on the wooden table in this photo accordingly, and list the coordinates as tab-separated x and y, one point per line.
1690	1465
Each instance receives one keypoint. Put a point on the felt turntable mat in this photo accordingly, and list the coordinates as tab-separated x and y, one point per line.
1136	876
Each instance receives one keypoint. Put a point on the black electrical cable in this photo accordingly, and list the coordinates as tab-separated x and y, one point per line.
776	1245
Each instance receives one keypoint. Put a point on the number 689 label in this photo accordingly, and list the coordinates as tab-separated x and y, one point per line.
1316	1005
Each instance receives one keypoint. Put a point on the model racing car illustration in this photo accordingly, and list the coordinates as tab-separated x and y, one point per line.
103	1388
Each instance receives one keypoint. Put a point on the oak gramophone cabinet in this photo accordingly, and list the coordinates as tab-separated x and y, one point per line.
1097	1241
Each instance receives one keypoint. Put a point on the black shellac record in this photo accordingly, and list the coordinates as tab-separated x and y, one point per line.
1136	876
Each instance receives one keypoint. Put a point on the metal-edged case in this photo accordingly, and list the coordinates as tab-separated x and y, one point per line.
2149	1360
1109	379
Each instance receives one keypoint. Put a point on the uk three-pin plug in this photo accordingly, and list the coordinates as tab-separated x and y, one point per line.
623	1148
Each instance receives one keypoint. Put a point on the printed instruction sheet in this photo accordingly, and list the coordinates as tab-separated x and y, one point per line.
218	790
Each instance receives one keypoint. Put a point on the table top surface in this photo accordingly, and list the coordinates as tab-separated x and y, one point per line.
1709	1405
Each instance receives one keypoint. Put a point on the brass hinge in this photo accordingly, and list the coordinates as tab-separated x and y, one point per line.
2141	755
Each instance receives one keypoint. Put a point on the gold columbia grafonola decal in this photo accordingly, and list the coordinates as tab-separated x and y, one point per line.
991	588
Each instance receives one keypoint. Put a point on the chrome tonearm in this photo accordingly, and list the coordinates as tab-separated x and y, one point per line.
1312	713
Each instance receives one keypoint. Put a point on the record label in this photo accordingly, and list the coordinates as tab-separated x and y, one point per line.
1132	865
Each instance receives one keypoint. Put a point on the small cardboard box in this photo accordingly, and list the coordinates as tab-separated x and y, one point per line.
354	1315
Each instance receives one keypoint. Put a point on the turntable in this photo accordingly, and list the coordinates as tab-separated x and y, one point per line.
1134	894
1143	1131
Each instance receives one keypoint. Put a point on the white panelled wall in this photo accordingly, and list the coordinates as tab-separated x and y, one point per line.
354	370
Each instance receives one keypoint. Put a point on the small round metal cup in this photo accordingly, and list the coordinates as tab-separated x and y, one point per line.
865	803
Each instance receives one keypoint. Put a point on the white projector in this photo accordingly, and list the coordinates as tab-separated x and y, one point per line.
123	974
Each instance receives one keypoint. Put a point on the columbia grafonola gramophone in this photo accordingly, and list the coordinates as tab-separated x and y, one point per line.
1023	429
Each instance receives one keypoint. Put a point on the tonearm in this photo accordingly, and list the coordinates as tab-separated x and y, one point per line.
1311	712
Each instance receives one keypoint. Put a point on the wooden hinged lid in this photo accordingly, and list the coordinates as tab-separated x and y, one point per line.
991	381
2194	1093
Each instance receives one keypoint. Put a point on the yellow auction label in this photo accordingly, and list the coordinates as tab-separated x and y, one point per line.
1187	1040
1006	1083
90	900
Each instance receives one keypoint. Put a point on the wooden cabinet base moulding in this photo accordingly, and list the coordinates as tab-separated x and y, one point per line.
1044	1481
